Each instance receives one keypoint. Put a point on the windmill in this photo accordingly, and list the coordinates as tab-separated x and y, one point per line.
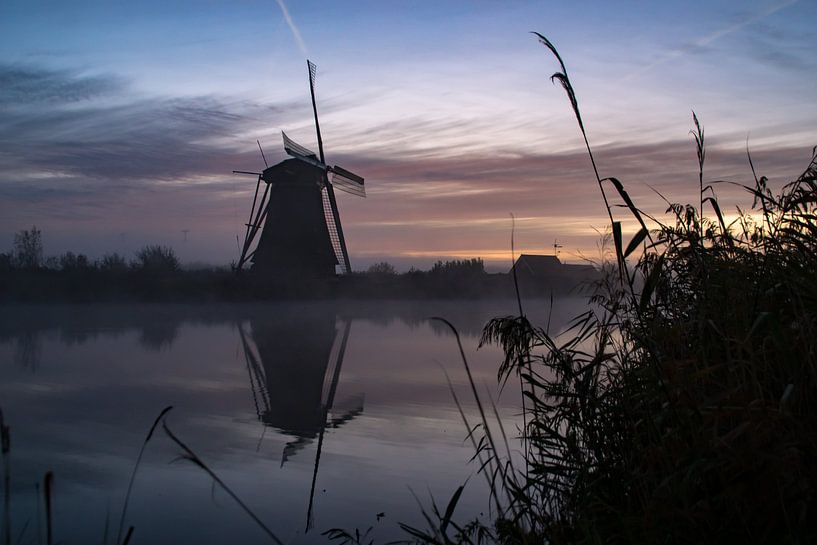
297	216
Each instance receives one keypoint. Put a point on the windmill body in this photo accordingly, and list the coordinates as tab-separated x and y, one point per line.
295	239
297	216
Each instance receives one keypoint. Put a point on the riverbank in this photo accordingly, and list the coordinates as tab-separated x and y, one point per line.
214	285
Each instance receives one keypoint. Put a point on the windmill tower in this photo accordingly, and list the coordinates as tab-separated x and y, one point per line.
297	217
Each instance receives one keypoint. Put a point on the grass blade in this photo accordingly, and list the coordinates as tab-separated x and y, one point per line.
136	467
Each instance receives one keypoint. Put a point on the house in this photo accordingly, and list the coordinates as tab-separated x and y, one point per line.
544	272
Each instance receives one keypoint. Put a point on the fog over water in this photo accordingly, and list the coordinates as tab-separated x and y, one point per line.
256	390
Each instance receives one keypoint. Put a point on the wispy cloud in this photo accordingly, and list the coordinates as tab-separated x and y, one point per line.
21	85
52	127
295	32
709	38
95	161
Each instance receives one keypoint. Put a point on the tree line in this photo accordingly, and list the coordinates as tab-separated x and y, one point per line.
27	255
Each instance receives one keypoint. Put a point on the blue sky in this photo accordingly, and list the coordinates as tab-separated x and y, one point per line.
120	122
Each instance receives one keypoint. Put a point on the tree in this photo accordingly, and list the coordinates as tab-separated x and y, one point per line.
112	263
156	258
69	261
464	267
384	268
28	248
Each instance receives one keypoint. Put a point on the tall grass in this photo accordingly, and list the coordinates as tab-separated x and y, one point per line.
682	407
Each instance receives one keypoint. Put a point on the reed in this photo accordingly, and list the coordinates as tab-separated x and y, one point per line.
189	455
122	516
681	407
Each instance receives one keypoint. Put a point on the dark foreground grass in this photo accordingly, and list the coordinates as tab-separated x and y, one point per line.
683	407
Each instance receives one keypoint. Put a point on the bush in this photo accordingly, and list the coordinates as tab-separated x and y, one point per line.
113	263
464	267
381	269
73	262
157	259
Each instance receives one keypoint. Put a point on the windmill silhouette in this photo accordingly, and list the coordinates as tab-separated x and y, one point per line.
297	216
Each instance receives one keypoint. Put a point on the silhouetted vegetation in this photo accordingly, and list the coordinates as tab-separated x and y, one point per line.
28	249
157	259
113	263
462	268
681	408
155	274
382	268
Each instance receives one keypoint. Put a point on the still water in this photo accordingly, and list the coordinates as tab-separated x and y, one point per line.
317	415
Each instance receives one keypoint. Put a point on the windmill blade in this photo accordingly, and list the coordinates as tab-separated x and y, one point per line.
294	149
299	152
256	374
346	410
348	181
253	227
313	70
243	257
330	400
330	213
292	448
264	157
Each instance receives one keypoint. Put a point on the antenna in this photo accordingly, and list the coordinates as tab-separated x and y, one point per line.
312	71
556	247
185	231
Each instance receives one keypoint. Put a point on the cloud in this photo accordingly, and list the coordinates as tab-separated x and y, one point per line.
20	85
703	42
68	134
459	206
99	161
783	48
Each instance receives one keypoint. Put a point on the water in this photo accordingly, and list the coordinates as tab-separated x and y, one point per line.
317	415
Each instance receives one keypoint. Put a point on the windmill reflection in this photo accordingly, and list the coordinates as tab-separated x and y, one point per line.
294	365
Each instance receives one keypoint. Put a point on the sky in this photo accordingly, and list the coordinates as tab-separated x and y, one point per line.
121	122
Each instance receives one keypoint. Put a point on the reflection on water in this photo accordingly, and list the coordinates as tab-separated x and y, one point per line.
27	348
270	396
294	368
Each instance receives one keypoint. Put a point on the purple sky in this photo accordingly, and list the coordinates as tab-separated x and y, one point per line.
120	124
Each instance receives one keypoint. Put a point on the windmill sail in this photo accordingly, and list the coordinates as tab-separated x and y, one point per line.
348	181
313	70
298	151
334	235
335	228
